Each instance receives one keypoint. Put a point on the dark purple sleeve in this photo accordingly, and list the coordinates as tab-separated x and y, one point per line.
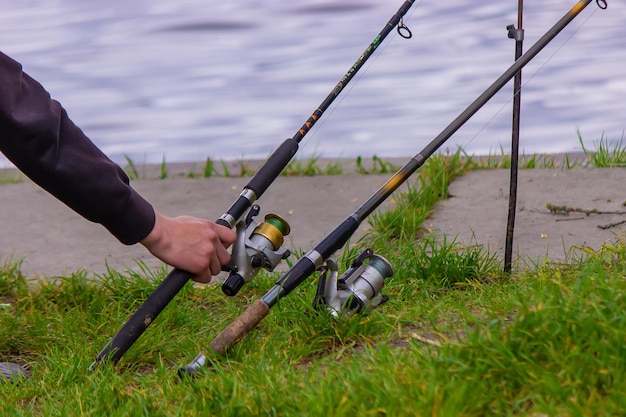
39	138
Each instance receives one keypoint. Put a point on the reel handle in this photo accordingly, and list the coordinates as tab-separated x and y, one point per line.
232	284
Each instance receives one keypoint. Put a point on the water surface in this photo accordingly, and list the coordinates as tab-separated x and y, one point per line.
188	79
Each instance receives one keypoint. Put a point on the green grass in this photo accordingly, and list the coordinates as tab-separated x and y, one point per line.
412	206
502	160
607	153
131	168
378	166
548	342
456	338
163	172
311	167
10	176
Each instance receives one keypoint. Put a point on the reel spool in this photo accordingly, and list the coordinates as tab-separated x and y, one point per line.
257	246
357	290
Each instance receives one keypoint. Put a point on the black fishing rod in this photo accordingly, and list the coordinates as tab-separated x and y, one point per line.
264	238
316	258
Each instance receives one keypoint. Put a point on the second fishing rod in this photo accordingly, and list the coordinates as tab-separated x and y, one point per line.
258	245
318	258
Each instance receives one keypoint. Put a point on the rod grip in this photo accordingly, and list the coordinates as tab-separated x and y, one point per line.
240	327
272	168
143	317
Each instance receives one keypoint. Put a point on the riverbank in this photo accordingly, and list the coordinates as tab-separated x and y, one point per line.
52	240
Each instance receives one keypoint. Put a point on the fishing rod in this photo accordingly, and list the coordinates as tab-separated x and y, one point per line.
257	245
316	258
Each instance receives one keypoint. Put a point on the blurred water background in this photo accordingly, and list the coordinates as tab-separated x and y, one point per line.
188	79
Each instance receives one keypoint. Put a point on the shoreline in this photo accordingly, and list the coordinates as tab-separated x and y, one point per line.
235	168
52	240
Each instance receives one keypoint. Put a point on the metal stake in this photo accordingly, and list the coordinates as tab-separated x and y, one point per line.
518	35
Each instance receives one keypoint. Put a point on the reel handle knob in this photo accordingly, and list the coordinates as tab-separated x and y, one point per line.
233	284
193	368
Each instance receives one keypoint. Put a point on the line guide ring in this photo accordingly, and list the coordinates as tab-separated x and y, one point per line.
405	32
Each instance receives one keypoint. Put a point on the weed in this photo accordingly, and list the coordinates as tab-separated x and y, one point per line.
297	168
533	161
378	166
403	221
10	176
163	172
12	282
606	154
225	170
311	167
442	264
131	168
209	168
244	169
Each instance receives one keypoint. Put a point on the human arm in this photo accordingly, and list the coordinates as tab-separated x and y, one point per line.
37	135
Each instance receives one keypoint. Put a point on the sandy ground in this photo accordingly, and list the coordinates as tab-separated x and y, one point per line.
52	240
478	209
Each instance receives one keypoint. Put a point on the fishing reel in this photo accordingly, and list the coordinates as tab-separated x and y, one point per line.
257	246
357	290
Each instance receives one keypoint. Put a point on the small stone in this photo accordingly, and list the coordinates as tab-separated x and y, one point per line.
12	372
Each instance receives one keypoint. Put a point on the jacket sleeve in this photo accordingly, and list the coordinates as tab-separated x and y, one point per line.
37	135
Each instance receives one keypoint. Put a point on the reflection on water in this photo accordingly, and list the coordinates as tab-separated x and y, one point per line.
190	79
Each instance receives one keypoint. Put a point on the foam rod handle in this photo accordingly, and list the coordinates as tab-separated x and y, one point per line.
143	317
272	168
240	327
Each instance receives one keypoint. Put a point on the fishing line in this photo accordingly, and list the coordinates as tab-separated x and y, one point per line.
532	76
556	50
329	113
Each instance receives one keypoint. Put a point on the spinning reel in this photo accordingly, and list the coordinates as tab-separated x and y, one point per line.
358	289
257	246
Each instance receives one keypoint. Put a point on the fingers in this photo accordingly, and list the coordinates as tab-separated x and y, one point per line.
215	252
225	238
226	235
223	256
203	278
195	245
215	263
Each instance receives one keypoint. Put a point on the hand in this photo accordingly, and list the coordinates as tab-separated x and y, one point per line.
191	244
